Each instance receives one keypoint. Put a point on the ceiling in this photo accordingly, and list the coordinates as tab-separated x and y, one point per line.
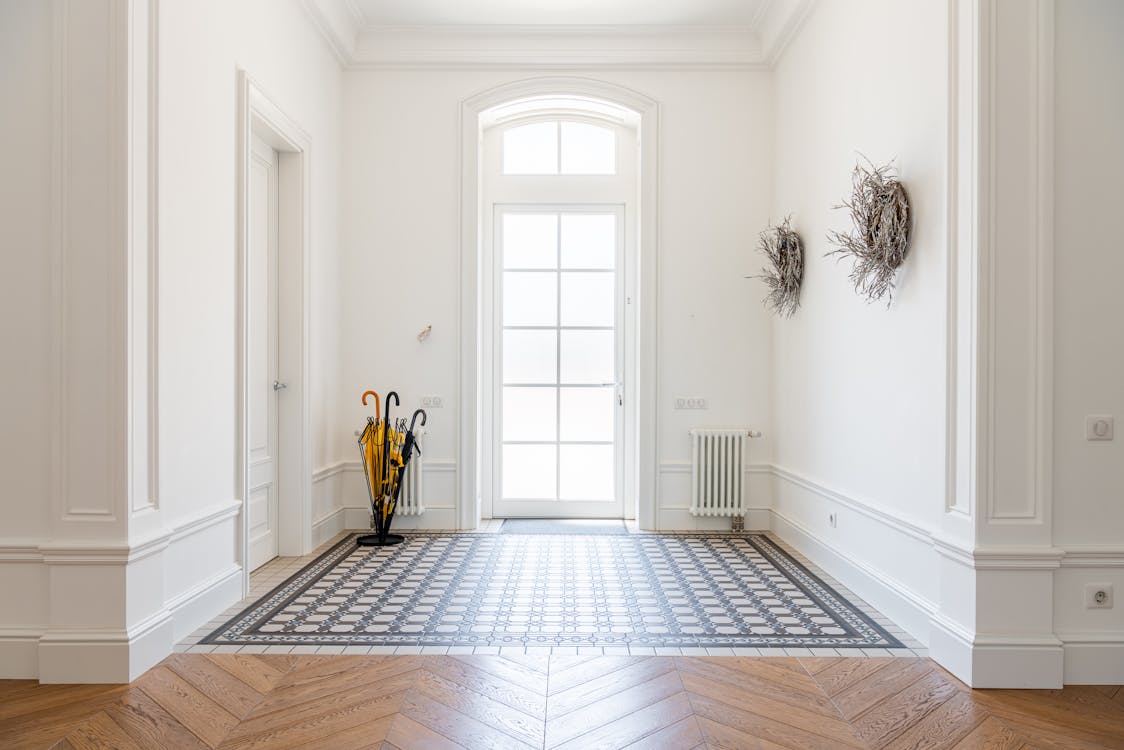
739	13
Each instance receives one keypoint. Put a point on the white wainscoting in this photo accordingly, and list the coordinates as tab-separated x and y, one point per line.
340	501
888	562
178	566
673	512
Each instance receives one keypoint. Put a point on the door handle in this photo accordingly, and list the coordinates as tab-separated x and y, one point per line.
620	390
279	386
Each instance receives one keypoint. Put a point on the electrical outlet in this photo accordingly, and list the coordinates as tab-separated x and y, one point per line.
690	403
432	402
1098	596
1099	427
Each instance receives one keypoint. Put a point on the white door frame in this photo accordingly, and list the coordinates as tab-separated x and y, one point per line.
646	339
259	115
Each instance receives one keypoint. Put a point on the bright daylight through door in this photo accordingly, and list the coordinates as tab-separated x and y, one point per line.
558	310
560	363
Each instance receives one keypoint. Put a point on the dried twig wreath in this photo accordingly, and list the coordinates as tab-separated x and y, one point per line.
782	247
879	239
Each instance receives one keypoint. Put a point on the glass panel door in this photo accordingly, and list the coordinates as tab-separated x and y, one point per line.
559	362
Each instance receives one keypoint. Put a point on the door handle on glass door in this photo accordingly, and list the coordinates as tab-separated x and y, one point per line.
620	391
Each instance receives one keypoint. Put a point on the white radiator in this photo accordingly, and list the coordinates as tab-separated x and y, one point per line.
718	458
410	496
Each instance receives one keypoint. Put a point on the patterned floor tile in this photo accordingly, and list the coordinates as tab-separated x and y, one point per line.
637	591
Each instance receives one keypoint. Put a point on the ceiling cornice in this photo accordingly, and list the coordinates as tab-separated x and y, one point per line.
359	45
778	25
339	23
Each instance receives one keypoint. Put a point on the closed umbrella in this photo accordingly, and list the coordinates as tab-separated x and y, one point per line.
382	447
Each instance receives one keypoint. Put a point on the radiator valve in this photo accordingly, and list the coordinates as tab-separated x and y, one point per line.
737	523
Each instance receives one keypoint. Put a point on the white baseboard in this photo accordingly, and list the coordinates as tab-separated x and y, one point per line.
996	661
681	519
19	653
1014	662
327	527
1093	658
911	611
193	608
435	518
951	647
104	656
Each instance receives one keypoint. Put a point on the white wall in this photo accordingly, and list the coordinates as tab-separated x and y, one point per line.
203	45
401	203
25	285
1088	307
25	313
180	557
858	389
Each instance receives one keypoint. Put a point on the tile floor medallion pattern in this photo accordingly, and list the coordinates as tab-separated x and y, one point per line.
473	589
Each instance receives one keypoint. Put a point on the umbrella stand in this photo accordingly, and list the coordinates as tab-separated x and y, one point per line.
385	449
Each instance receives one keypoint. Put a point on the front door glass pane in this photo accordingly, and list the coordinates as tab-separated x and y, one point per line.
558	307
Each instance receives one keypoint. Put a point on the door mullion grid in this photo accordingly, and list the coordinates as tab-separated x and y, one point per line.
557	328
558	341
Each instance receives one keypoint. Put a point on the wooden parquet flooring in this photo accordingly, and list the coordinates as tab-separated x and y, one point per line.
243	702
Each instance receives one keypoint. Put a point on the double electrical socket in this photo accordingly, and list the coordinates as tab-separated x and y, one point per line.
432	402
690	403
1098	596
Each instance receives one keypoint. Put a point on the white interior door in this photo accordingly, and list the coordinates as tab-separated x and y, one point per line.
263	349
558	362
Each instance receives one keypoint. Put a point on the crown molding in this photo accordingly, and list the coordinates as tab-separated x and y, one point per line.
557	47
778	24
359	45
339	23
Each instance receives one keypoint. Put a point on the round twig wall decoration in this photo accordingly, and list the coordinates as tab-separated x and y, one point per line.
879	238
784	273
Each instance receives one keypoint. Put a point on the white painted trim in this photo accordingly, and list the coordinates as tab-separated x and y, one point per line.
1016	558
72	553
997	660
258	112
197	605
557	47
340	34
62	552
1044	263
341	467
19	652
469	501
328	518
331	470
1017	663
866	507
358	44
1093	658
205	520
1093	557
890	596
780	22
20	552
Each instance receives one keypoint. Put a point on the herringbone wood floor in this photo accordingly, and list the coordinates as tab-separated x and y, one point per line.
240	702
